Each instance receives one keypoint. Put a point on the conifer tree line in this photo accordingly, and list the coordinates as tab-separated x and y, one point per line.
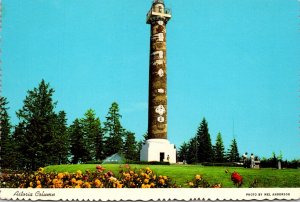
200	149
42	136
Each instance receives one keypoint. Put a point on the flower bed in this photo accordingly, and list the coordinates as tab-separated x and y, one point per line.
127	178
100	178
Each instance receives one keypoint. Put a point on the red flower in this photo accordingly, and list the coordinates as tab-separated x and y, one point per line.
236	178
100	168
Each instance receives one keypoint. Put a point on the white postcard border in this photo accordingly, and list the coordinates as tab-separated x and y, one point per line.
152	194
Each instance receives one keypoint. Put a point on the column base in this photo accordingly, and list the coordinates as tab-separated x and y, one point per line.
158	150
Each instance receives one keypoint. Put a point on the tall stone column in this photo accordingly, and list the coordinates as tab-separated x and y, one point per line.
157	147
157	120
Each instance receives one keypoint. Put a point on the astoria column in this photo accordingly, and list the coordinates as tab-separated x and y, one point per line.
157	147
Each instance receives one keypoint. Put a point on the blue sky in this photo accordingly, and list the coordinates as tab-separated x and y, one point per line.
234	62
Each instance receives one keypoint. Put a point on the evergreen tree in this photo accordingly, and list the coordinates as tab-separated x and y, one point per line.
6	142
219	150
100	143
183	152
20	160
130	146
233	153
192	151
204	149
61	139
139	148
37	117
114	131
145	137
78	146
92	135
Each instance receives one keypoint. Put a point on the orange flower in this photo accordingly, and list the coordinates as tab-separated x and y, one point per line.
60	175
145	186
217	186
73	180
87	185
198	177
79	182
54	181
119	185
38	182
39	186
161	181
146	181
97	183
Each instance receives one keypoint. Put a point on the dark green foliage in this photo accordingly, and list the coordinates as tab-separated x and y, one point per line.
192	151
145	137
219	150
204	146
233	152
6	139
130	149
78	146
99	144
113	130
61	140
183	152
92	135
37	118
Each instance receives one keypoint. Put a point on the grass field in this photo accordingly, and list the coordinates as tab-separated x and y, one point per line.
183	173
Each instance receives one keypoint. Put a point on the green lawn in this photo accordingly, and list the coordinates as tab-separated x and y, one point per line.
183	173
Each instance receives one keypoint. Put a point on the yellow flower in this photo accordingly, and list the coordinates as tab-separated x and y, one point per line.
30	184
97	183
87	185
79	172
152	185
146	181
79	182
73	180
145	186
191	184
198	177
54	181
77	186
165	177
154	177
161	181
41	170
112	179
119	185
146	176
39	186
38	182
60	175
